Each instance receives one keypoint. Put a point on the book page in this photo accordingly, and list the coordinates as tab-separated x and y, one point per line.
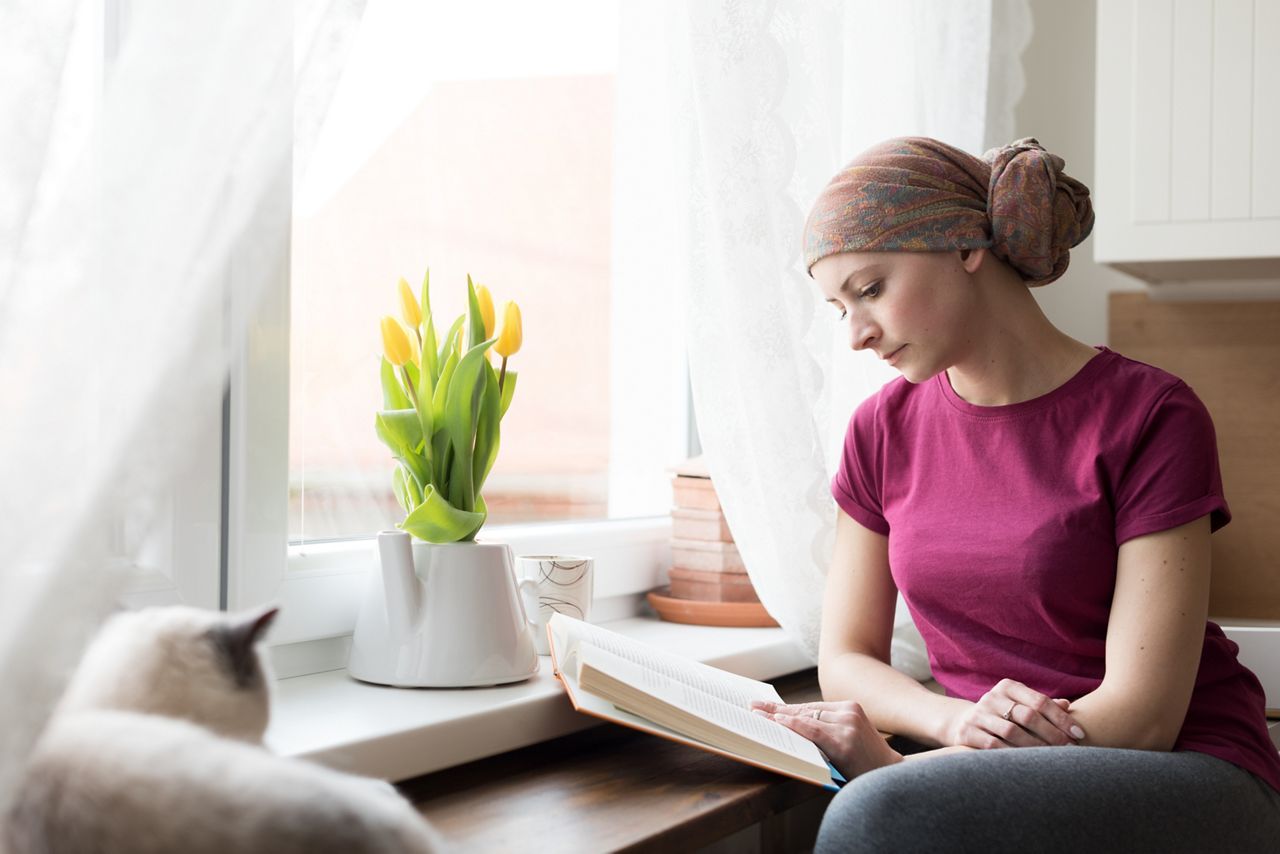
726	715
567	633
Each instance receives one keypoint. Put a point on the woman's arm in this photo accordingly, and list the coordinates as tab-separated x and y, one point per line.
853	664
1155	635
857	629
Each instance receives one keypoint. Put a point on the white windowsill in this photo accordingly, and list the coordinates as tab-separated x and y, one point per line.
398	733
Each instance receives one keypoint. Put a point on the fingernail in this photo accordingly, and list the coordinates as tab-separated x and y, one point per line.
1077	732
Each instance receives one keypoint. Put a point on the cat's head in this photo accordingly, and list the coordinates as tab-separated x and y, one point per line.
197	665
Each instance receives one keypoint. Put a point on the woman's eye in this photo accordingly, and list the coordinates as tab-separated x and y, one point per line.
843	314
872	290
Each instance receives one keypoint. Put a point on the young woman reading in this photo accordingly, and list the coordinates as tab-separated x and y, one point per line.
1045	508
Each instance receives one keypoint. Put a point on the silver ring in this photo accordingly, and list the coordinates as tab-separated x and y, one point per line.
1009	713
817	714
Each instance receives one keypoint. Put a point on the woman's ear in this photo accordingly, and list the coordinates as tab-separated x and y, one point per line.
971	259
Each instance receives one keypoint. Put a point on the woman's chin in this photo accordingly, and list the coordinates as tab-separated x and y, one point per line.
914	374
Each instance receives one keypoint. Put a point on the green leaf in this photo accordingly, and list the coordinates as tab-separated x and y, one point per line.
412	370
426	293
430	359
446	346
442	391
508	390
398	487
393	396
487	429
460	494
483	511
442	459
399	428
461	412
400	431
412	492
437	521
473	311
424	404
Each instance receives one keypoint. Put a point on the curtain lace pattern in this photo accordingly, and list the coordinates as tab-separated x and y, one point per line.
771	99
145	159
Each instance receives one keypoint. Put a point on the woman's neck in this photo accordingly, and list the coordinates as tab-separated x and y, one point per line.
1018	356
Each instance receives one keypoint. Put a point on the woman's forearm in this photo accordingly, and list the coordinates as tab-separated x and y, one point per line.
894	702
1112	719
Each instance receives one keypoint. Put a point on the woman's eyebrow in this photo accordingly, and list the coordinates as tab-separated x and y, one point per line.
868	270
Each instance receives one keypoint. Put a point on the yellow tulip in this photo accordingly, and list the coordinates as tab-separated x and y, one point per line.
409	308
509	341
485	301
395	342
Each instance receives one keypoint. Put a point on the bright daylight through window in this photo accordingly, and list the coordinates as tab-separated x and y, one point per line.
469	149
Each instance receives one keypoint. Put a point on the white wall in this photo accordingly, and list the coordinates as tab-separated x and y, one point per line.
1057	109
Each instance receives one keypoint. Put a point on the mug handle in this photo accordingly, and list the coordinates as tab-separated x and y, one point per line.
529	601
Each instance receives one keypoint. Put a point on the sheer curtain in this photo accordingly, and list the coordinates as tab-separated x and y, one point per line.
768	100
145	166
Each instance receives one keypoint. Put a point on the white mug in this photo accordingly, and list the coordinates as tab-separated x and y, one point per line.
564	584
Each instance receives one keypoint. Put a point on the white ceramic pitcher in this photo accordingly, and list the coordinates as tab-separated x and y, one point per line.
442	615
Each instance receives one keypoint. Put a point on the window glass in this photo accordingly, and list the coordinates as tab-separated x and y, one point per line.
468	148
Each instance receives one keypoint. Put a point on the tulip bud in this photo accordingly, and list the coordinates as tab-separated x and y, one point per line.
509	341
395	342
409	308
485	301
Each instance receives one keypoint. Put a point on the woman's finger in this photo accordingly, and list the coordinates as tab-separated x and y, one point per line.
799	708
807	726
1035	712
1043	716
1013	734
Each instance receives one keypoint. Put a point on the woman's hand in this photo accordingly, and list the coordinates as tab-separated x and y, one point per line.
1013	715
840	730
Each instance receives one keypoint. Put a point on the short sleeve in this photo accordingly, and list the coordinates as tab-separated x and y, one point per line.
1172	476
856	485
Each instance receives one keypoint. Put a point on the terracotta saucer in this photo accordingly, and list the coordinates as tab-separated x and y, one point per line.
741	614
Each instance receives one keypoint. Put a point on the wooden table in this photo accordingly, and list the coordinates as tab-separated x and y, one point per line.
614	789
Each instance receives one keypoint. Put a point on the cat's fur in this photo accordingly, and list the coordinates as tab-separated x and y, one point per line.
157	747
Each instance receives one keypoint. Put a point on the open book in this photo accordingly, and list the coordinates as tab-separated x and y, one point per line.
633	684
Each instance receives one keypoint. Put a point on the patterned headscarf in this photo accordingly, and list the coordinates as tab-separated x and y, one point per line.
916	194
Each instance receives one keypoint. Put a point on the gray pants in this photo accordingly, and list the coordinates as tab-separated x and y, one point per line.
1047	799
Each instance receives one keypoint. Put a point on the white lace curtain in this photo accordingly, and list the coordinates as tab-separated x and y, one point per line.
143	152
767	100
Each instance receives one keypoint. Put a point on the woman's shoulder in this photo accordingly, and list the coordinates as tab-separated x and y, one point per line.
1132	382
1135	371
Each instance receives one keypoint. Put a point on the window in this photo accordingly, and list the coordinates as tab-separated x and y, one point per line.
472	150
481	150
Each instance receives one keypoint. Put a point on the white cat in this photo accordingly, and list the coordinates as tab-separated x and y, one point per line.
157	747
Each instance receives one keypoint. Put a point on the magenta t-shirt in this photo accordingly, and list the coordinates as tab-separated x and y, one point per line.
1004	524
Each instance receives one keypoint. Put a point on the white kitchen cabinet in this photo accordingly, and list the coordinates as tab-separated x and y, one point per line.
1188	139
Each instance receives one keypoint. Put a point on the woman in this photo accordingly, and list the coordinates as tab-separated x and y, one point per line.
1045	509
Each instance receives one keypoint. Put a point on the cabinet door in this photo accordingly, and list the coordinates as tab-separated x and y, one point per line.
1188	132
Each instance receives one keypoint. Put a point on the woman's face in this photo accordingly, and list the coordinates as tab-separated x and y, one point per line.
915	309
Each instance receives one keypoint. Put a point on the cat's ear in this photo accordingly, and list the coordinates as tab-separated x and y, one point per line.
237	638
255	626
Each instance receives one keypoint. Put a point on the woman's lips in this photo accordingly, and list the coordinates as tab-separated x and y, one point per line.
893	357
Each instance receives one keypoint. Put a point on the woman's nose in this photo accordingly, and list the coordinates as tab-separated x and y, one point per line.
862	333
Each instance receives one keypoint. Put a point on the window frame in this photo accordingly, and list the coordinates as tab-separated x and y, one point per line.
319	586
